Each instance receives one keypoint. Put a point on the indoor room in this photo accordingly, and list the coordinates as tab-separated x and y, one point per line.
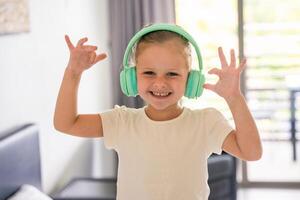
57	136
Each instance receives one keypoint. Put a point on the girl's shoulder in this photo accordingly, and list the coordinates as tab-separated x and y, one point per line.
121	114
202	111
204	114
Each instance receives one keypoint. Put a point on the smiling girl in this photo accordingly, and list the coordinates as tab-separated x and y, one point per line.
162	147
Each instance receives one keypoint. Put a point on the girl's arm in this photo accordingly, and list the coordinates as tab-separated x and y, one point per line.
244	142
66	118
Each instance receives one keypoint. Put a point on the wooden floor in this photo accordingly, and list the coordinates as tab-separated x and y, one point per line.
266	194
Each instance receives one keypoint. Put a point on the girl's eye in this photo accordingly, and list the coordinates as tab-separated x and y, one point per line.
172	74
149	73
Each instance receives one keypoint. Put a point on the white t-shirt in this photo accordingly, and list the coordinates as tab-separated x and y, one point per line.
163	160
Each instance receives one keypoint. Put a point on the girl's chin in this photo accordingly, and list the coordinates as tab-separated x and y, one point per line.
160	107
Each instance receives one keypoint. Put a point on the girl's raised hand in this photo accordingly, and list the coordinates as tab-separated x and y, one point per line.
228	85
82	56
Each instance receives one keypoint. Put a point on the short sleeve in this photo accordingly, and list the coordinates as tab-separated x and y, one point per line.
111	122
217	128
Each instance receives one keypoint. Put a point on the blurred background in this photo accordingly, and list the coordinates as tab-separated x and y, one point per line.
268	36
266	32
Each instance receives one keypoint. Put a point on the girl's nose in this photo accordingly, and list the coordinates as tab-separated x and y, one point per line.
160	82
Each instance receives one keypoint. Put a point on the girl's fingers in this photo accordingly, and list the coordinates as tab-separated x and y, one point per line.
222	57
232	58
92	57
100	57
209	86
69	43
215	71
89	47
242	65
82	41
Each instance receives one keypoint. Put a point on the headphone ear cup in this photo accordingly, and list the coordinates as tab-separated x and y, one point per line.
123	82
128	81
194	86
200	86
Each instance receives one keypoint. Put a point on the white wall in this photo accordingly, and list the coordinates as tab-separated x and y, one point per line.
31	69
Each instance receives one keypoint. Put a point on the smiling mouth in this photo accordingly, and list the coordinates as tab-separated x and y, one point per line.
160	94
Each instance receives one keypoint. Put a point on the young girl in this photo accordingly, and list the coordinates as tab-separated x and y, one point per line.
163	147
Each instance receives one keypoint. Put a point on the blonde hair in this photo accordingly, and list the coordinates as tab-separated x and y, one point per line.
161	36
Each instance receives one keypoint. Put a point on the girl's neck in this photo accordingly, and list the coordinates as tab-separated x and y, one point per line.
163	115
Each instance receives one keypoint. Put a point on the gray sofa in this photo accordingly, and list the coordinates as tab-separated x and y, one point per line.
19	159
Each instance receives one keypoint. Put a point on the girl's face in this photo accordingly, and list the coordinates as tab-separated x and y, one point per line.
162	70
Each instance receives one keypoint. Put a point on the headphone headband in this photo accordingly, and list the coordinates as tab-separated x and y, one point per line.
161	27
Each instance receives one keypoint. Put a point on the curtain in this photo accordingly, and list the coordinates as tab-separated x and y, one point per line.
126	18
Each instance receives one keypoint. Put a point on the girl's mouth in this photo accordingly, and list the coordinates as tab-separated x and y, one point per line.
160	94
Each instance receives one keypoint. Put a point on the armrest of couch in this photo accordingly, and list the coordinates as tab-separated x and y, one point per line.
88	188
19	158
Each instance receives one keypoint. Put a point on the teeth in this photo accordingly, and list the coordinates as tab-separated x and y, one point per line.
162	94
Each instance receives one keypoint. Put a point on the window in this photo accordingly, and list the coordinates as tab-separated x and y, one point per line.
271	41
272	46
210	30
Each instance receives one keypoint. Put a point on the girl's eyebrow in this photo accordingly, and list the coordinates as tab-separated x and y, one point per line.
173	69
149	68
146	68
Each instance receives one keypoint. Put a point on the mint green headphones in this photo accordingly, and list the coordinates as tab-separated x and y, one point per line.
128	80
